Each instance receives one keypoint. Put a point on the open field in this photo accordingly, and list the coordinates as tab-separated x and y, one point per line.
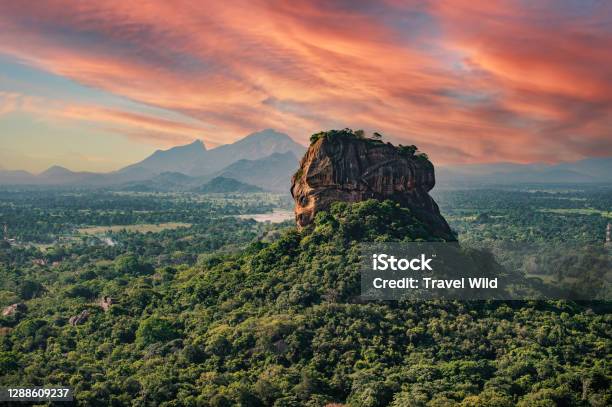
578	211
276	216
142	228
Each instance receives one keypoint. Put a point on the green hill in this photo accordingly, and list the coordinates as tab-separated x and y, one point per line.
226	185
281	324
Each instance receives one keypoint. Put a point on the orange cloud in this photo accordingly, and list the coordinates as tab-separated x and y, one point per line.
135	125
143	127
13	102
468	81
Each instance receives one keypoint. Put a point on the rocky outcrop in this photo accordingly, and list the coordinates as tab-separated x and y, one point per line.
14	309
79	319
344	166
105	303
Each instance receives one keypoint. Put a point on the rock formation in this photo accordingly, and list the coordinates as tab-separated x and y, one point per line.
345	166
105	303
79	319
14	309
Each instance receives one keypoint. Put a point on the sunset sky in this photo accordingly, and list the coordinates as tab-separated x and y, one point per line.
98	85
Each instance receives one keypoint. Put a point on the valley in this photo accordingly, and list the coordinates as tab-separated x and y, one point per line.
306	203
216	297
194	305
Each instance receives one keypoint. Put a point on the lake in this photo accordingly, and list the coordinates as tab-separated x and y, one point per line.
276	216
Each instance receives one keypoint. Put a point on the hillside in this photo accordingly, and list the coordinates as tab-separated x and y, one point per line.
255	146
16	177
223	311
176	159
226	185
281	324
271	173
164	182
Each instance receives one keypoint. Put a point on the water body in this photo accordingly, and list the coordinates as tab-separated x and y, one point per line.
276	216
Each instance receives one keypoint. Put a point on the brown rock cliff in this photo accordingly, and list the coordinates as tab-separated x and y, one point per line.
341	166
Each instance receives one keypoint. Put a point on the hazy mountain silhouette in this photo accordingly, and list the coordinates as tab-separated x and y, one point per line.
267	159
193	159
226	185
164	182
16	177
590	170
60	175
272	173
176	159
253	147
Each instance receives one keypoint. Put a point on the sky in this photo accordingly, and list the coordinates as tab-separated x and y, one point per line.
99	85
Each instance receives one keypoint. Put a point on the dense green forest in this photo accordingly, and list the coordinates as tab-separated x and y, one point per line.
43	216
232	312
532	215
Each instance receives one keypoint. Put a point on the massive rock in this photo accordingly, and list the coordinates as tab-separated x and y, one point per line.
344	166
14	309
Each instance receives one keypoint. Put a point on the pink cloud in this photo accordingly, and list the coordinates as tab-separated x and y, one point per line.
135	125
468	81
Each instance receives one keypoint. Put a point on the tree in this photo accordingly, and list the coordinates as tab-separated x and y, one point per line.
408	150
30	289
130	264
155	329
9	361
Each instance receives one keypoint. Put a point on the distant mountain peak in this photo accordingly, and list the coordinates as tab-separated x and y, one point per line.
55	170
175	159
268	133
197	143
195	160
225	185
197	146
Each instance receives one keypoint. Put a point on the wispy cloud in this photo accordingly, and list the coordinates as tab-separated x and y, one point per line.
135	125
467	80
138	126
11	102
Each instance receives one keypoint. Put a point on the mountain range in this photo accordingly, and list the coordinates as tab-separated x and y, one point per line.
195	160
590	170
267	159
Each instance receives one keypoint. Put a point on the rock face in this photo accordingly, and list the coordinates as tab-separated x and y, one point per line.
340	166
14	309
79	319
105	303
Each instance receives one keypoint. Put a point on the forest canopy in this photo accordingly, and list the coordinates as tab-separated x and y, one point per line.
281	323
